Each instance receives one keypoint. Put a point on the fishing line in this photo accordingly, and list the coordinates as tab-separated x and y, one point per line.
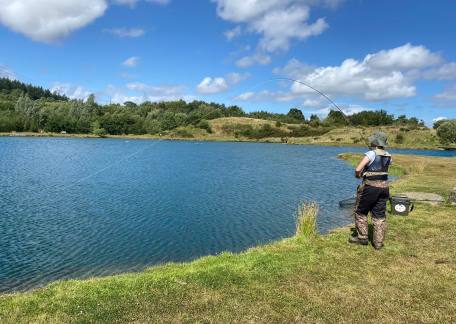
126	158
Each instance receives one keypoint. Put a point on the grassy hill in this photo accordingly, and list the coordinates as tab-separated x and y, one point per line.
252	129
399	137
300	279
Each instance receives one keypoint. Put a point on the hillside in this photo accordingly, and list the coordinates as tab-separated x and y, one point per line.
400	137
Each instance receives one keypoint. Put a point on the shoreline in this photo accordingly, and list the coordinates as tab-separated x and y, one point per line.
212	139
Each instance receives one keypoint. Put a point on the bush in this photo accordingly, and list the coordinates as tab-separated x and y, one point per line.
438	123
101	132
447	132
305	131
399	138
264	131
183	133
204	124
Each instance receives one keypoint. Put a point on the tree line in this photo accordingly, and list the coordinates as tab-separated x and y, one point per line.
24	107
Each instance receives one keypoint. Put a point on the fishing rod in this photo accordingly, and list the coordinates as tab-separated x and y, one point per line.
317	91
312	88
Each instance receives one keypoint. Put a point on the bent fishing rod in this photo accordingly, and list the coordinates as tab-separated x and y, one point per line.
314	89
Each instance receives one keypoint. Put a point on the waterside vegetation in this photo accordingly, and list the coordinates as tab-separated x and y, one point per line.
29	110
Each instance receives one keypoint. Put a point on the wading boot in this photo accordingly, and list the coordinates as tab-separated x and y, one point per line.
356	240
378	246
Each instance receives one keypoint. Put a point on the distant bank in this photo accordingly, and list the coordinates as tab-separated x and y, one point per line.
233	129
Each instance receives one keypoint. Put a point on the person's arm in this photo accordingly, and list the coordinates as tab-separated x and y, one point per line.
361	166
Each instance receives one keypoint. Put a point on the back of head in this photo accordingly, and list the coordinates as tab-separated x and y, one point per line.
378	140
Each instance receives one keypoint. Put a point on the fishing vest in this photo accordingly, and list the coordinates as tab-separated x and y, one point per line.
378	169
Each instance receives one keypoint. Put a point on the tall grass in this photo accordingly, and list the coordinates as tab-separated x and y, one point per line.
416	167
306	219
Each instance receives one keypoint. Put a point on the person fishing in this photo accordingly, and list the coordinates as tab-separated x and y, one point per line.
373	193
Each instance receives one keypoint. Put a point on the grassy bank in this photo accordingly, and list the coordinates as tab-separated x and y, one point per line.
314	279
227	129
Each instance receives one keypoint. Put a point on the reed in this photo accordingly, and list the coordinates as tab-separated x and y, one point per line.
306	219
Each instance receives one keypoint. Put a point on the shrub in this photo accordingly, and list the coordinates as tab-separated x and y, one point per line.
204	124
101	132
438	123
447	132
399	138
304	131
183	133
306	219
264	131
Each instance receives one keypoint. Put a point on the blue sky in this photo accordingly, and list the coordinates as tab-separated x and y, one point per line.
394	55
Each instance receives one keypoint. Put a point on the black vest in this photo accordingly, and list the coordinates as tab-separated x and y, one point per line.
378	169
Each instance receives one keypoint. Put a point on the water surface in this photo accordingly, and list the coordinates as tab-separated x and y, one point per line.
74	208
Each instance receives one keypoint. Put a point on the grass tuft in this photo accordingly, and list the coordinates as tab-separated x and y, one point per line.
416	167
306	219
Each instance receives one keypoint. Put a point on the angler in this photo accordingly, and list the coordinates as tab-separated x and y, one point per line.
373	193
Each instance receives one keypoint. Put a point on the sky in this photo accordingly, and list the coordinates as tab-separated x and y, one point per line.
399	56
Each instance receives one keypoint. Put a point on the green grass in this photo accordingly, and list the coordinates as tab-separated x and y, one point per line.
306	219
317	279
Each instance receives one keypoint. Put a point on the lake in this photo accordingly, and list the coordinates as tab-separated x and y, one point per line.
76	208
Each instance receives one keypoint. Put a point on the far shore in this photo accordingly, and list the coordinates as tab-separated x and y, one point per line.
209	138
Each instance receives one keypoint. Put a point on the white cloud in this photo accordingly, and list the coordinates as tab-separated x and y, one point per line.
130	3
404	57
126	32
446	71
71	91
6	72
233	33
245	96
266	95
348	110
294	69
235	78
248	10
159	2
212	85
280	26
131	61
449	94
250	60
379	76
316	102
49	20
140	92
355	78
133	3
277	22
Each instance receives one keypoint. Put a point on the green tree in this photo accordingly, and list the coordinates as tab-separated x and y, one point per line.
438	123
297	114
336	117
447	132
97	129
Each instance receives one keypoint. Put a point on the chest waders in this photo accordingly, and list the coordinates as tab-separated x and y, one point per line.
372	196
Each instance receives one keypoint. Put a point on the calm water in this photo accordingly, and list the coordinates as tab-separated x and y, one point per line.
73	208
